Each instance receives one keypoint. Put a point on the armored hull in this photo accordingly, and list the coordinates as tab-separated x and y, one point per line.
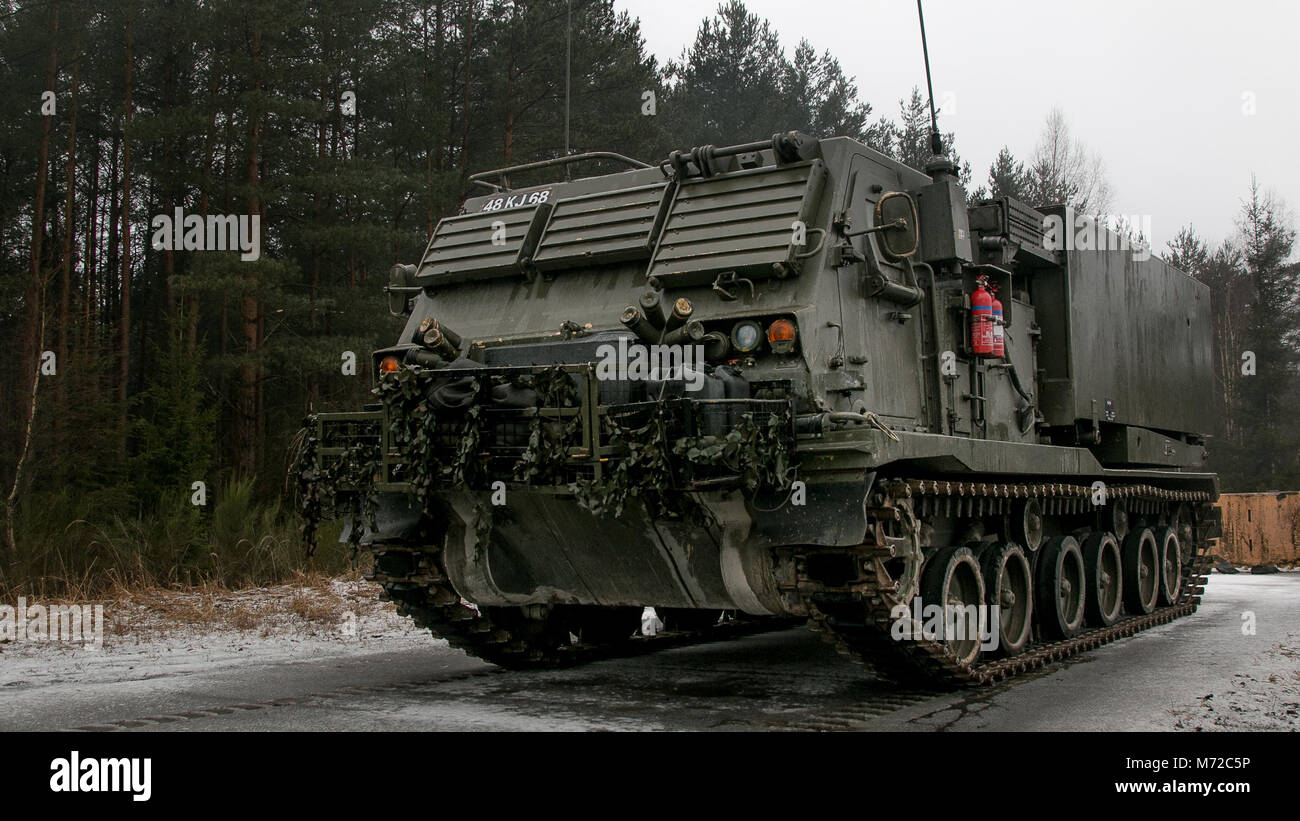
744	386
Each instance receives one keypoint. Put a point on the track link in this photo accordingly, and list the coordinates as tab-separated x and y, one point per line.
546	637
856	621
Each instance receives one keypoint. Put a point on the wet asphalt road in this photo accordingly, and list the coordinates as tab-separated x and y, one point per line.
1199	672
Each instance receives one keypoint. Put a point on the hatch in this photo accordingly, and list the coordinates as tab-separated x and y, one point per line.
483	245
741	221
602	228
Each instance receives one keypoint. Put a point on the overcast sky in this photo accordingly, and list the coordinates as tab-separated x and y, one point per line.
1159	89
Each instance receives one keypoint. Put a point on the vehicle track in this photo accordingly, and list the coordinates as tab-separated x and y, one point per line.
858	620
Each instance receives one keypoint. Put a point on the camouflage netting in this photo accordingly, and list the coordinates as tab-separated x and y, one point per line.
436	420
330	488
756	453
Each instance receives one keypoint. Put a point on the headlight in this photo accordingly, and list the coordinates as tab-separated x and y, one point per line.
745	336
389	364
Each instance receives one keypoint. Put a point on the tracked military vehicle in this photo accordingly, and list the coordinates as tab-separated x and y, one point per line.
896	398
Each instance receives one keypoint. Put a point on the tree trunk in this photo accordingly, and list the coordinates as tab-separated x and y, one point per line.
89	295
124	331
469	53
191	302
65	263
246	422
34	332
111	260
509	141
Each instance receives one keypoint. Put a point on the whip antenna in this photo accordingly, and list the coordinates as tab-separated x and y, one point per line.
568	60
936	141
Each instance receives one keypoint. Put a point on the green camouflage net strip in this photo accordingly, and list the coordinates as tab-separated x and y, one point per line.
651	466
758	453
333	488
413	431
414	428
644	470
547	453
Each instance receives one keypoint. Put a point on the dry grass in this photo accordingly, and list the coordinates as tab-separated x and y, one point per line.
314	608
308	603
243	621
277	601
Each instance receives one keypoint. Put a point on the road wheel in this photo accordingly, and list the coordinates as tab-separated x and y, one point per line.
1061	582
1103	566
1141	557
1115	518
1171	565
1009	585
952	580
1182	523
1027	523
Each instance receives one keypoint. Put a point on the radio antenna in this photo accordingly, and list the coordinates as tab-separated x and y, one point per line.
936	140
568	60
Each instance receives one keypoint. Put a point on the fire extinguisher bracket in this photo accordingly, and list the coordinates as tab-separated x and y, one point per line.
1001	281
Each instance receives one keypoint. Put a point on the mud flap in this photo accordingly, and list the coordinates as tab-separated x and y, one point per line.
397	516
834	514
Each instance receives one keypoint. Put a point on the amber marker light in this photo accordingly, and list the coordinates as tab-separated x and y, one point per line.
780	336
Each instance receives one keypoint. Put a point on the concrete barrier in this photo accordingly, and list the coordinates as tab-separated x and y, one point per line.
1261	528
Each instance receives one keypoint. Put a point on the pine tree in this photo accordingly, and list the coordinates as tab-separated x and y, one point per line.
173	423
726	88
1271	442
1007	177
1220	269
735	84
824	102
909	137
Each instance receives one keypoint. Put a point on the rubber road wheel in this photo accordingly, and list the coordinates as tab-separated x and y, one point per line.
1171	565
1009	585
1141	557
1060	589
951	579
1103	567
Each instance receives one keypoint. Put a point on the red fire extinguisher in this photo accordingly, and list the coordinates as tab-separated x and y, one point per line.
981	314
999	336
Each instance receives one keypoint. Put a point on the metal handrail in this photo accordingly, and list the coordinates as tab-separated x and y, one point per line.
482	177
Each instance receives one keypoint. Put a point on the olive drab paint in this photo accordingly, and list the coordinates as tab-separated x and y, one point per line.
858	420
